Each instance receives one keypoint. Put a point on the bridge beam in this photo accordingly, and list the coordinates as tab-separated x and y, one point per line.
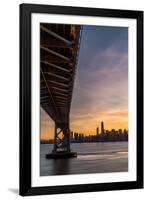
59	47
56	35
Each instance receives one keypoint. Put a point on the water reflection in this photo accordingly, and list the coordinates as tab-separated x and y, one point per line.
61	166
92	158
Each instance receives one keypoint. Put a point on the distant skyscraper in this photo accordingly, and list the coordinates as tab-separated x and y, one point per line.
102	127
71	135
97	131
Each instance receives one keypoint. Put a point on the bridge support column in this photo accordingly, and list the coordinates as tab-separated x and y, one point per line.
61	139
61	147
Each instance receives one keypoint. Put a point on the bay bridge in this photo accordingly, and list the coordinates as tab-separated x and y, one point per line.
59	49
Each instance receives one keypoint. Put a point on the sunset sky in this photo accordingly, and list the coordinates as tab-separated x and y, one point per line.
101	83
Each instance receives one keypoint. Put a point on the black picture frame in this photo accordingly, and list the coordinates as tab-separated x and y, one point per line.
25	187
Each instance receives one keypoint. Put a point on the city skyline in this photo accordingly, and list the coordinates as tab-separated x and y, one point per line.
101	82
49	127
100	133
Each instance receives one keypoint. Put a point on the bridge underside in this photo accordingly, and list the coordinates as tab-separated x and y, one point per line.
59	46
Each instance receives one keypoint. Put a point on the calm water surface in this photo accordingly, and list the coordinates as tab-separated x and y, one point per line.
92	158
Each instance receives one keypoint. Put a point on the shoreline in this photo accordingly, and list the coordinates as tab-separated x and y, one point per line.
46	142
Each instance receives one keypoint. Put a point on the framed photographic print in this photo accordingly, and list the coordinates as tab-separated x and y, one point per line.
81	99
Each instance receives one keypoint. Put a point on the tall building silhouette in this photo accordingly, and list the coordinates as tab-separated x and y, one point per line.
102	127
97	131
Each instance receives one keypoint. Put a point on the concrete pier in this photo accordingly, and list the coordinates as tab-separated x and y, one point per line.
61	155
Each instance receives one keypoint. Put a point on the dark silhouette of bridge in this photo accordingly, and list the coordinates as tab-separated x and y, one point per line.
59	48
